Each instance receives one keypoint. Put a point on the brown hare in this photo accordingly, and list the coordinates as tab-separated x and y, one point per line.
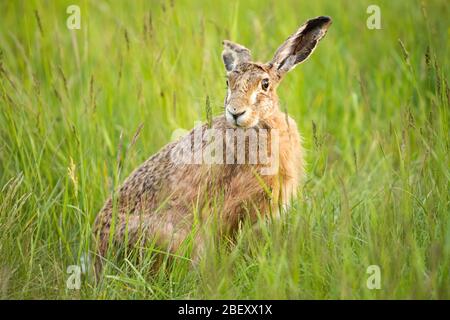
158	201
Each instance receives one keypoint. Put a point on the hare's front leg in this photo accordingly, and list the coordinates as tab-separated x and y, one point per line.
245	195
288	193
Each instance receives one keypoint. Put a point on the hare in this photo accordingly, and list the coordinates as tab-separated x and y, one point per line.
158	200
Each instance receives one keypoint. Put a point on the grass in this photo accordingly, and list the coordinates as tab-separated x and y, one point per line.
372	106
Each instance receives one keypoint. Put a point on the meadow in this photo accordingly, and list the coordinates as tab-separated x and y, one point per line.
80	109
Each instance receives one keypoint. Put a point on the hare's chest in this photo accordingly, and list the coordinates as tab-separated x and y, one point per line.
291	165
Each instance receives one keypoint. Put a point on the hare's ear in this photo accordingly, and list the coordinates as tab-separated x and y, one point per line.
233	54
299	46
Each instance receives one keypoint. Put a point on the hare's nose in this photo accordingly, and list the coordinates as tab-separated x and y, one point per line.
237	115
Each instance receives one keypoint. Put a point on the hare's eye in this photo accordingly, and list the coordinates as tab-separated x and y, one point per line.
227	83
265	84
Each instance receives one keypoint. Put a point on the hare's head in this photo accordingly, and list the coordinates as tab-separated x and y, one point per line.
251	94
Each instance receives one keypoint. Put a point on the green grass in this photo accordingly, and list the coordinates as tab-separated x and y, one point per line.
374	117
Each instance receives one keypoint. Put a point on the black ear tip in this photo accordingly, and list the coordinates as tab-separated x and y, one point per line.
326	20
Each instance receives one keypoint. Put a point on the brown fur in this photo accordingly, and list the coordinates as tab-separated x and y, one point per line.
156	201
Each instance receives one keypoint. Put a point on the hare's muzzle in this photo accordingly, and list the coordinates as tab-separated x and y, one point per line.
236	116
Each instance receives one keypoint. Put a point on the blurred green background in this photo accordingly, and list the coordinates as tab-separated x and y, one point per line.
372	106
